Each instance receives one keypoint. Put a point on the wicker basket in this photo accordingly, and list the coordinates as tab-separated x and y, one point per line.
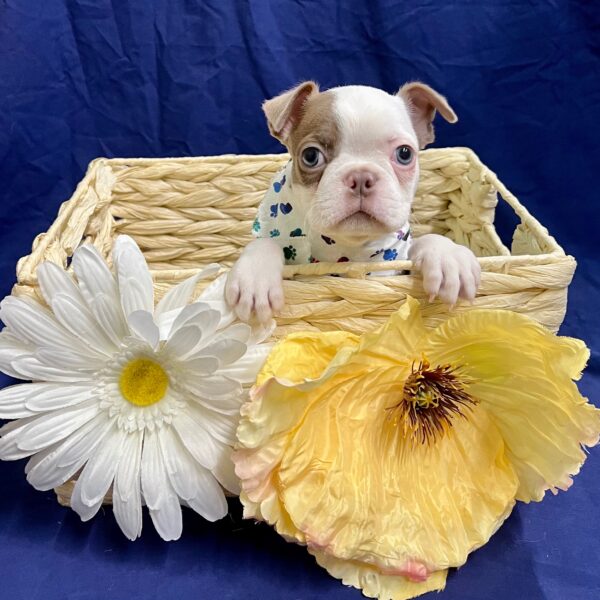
187	212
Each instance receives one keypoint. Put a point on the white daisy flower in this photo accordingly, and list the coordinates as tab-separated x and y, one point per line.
125	394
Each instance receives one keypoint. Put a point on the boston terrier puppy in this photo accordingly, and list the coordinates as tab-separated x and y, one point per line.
346	193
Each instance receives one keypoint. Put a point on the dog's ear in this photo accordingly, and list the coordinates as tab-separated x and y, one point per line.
285	111
422	103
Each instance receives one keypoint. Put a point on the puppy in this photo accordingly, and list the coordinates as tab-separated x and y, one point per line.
346	193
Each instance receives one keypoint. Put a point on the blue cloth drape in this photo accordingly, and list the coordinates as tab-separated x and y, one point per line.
84	78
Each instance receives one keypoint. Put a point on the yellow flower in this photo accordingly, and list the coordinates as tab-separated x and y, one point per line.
394	455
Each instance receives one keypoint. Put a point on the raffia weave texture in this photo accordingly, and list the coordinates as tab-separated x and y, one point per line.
188	212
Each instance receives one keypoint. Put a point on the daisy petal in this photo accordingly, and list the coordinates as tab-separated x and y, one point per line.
77	445
226	405
9	434
179	295
210	501
152	471
160	497
99	471
127	501
168	519
32	323
30	367
110	317
42	456
246	368
142	325
99	288
213	386
226	351
238	331
215	291
59	357
174	454
51	396
135	282
54	280
76	318
85	511
214	296
200	444
224	471
192	482
10	349
183	341
205	319
166	320
205	365
49	469
93	274
134	296
222	427
27	399
6	367
13	401
49	428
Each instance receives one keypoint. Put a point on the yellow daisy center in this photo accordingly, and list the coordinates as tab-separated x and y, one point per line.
431	398
143	382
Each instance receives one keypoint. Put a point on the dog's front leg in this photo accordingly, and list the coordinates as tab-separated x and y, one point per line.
449	270
254	285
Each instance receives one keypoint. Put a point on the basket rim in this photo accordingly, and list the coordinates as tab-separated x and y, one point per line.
27	265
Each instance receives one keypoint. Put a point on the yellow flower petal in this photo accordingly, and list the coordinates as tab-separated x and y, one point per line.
303	356
327	460
523	378
297	358
356	488
400	337
374	584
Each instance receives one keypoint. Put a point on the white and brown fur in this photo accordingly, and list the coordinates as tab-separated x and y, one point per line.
360	191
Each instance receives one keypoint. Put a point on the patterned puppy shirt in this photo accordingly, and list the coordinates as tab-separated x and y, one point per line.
284	221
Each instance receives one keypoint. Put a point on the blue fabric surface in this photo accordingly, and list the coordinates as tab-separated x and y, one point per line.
85	78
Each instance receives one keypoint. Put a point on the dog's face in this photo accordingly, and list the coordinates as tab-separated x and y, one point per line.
354	152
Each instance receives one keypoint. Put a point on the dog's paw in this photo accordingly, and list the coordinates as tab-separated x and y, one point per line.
251	297
254	286
449	271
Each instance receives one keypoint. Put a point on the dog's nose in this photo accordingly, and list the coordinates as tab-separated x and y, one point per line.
360	181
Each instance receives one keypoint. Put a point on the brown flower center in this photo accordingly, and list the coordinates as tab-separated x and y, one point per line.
431	399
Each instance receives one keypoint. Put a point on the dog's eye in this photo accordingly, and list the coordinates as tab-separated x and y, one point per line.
404	155
312	157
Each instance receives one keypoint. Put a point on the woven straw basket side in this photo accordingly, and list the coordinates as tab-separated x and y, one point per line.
188	212
185	213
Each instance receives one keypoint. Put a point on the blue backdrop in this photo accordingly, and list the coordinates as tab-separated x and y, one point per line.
85	78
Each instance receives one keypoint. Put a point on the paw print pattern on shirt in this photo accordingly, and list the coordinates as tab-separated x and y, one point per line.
289	252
